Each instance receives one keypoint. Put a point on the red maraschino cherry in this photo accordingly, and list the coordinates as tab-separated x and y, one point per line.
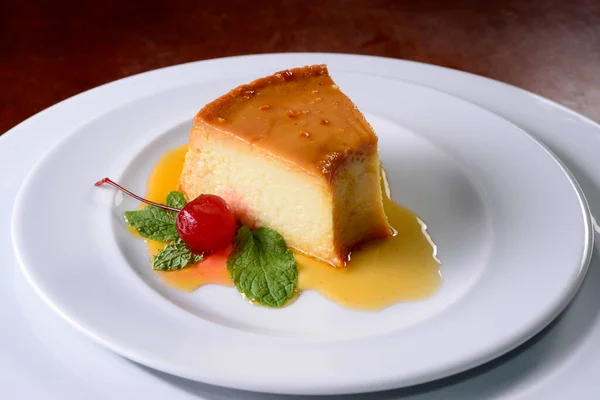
205	224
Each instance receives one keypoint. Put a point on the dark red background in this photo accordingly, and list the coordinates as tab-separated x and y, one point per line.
51	49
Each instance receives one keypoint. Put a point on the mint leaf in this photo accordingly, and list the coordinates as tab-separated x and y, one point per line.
153	223
262	267
175	255
176	199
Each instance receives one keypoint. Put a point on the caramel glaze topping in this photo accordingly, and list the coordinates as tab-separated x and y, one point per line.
299	115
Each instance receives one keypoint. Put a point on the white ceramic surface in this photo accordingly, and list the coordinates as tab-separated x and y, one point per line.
41	357
512	232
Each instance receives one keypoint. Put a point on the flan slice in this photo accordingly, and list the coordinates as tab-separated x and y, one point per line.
293	153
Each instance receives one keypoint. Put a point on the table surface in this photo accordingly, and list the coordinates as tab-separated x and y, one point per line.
51	50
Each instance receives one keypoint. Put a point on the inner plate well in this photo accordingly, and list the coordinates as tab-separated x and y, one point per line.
422	178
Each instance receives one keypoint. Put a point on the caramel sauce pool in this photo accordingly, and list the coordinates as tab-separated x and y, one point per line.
379	274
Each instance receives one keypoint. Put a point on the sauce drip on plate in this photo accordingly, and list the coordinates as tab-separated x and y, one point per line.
379	274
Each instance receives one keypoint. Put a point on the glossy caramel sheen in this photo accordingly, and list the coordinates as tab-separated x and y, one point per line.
300	108
379	274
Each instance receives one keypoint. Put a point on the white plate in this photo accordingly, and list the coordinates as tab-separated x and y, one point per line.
387	128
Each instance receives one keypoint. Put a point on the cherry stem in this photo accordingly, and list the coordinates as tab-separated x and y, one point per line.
135	196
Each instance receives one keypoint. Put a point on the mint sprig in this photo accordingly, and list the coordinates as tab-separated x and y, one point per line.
262	267
176	199
153	223
157	224
175	255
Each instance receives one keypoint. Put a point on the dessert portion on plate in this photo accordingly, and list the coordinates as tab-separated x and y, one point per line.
293	153
295	163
